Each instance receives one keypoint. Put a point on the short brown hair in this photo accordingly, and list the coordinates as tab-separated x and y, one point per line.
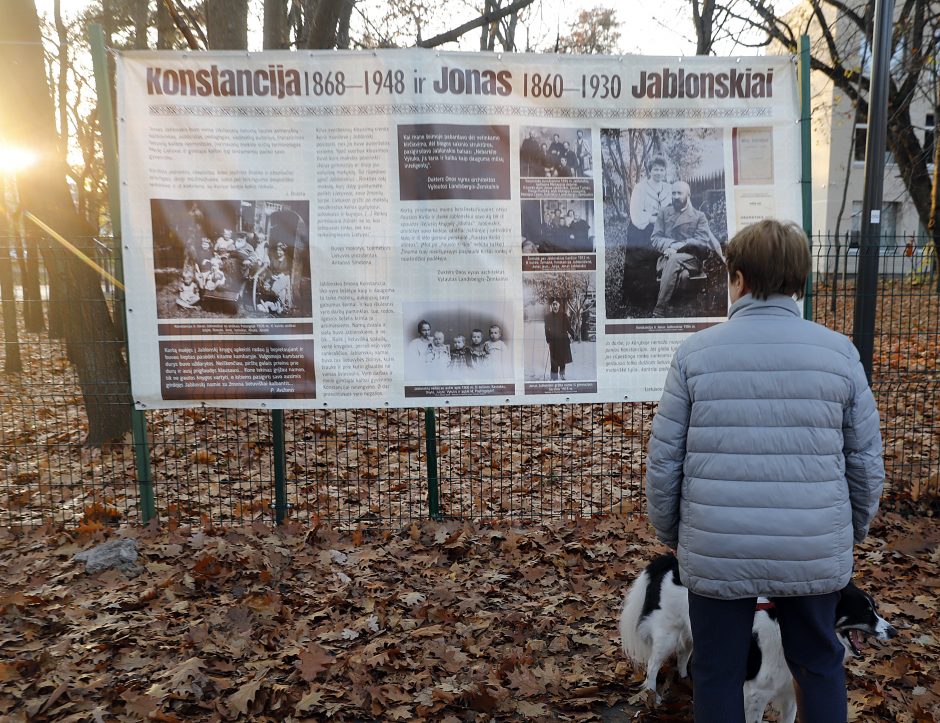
772	256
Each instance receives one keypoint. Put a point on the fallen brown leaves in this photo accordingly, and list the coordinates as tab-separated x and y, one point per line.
440	621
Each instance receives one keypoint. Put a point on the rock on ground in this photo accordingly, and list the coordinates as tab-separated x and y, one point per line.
121	554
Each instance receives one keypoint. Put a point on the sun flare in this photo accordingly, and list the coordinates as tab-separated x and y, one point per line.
14	159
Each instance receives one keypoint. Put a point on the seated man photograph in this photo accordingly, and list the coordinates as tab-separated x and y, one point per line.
684	241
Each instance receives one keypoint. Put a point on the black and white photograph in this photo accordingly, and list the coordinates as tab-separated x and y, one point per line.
231	259
665	223
557	227
560	316
546	152
456	343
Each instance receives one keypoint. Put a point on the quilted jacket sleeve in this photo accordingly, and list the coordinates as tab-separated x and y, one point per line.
864	465
666	455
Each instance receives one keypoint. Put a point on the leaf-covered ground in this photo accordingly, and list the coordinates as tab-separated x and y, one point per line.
440	621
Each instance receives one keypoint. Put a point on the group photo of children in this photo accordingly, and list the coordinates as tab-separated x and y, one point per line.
454	344
231	258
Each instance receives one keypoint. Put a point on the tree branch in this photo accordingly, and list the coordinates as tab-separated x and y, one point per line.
177	19
484	19
195	22
827	34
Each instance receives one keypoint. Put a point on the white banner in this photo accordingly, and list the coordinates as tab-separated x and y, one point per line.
415	228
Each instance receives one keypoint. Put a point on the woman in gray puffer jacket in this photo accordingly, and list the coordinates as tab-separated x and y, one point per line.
764	467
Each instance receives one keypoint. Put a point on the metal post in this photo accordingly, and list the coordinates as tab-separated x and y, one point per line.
806	182
866	285
933	224
281	506
835	278
430	433
99	55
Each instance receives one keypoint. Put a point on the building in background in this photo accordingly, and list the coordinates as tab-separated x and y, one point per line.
839	137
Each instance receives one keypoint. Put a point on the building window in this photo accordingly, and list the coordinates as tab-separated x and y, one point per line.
889	224
861	139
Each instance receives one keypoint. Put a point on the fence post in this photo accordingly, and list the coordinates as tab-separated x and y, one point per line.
430	433
835	278
99	55
806	180
280	505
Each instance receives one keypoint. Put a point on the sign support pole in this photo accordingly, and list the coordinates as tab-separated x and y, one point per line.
806	181
866	284
281	505
430	433
99	54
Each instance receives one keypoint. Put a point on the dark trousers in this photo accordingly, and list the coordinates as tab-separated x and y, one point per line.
721	636
674	273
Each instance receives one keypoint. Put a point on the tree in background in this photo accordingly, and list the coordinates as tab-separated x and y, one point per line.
12	363
596	31
727	24
837	55
28	119
227	24
500	34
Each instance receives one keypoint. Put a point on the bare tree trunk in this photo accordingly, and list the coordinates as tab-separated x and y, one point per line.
62	85
56	297
321	27
342	32
509	42
485	28
703	15
33	319
166	30
616	166
833	296
275	24
28	118
140	12
227	24
12	364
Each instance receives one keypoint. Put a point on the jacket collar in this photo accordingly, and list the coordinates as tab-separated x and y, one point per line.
774	305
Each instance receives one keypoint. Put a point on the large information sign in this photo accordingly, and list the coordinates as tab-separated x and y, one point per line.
415	228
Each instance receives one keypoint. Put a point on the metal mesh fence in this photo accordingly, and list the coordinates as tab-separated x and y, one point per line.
364	468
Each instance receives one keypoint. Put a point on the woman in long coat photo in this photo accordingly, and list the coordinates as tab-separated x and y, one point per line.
557	336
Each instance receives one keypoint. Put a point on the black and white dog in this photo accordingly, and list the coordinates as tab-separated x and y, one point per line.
654	620
654	624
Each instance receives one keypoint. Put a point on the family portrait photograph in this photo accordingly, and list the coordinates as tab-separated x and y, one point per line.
231	259
665	223
552	226
546	152
458	342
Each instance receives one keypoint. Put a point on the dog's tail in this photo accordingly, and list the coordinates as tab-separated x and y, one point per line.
635	646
